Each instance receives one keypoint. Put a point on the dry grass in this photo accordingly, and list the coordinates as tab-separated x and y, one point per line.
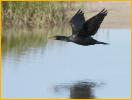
33	14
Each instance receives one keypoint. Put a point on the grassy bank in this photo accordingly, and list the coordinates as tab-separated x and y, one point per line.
27	24
34	14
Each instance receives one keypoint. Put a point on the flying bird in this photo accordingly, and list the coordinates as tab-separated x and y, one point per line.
83	30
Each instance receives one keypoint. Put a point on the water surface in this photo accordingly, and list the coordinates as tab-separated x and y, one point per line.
34	72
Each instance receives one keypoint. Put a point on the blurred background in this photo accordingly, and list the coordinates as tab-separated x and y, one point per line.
22	20
32	64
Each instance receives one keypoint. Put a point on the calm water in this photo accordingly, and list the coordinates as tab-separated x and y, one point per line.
34	72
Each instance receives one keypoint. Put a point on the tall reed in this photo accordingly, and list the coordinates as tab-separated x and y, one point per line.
33	14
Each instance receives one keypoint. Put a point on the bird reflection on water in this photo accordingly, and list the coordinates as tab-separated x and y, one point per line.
82	90
79	90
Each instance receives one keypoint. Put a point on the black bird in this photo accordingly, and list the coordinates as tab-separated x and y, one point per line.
82	31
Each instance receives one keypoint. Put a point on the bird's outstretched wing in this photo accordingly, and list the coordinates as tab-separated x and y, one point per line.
77	22
91	26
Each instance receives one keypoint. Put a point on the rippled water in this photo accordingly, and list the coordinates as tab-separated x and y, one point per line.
34	73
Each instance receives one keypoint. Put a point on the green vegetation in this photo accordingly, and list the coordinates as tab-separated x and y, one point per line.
28	24
34	14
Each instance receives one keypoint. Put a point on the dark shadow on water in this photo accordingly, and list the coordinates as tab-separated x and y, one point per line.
82	90
79	90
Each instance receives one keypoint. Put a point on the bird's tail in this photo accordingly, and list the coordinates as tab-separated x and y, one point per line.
102	43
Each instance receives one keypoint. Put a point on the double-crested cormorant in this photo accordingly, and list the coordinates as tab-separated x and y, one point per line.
82	30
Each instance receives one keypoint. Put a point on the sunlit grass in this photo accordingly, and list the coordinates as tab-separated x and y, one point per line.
28	24
34	14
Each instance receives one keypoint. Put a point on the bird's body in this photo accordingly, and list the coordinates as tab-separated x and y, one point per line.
82	31
84	41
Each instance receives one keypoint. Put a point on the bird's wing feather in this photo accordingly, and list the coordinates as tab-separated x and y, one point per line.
91	26
77	22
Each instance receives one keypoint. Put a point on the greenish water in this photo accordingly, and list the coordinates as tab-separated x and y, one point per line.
20	41
33	65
